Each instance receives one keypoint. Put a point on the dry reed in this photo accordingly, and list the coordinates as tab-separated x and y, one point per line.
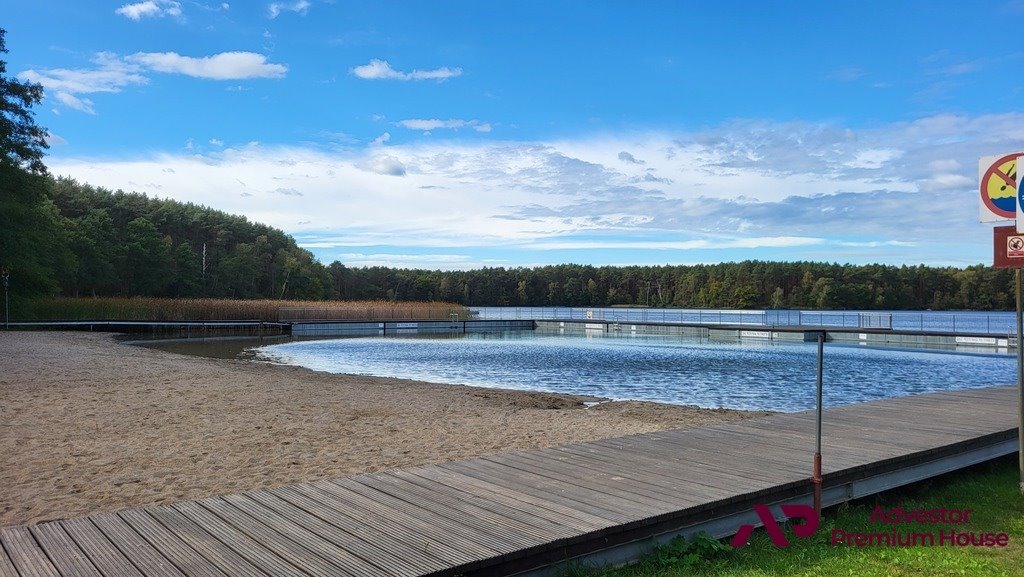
165	309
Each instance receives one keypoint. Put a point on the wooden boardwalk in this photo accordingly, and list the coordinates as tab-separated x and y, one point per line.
519	511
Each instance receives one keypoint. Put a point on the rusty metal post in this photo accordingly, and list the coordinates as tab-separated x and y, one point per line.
1020	380
7	311
816	475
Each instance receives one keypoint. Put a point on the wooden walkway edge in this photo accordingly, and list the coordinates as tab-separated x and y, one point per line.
524	511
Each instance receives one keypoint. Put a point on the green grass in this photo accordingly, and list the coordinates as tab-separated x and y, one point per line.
991	490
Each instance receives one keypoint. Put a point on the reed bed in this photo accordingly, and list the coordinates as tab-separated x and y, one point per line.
166	309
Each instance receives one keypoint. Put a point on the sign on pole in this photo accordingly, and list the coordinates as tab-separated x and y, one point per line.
998	188
1008	247
1000	201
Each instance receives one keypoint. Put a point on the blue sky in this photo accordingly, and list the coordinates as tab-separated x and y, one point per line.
463	134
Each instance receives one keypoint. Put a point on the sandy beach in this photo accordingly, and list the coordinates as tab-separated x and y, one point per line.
89	424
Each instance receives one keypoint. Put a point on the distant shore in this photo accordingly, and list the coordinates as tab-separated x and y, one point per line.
88	424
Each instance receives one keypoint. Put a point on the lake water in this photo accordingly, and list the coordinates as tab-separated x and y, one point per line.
768	376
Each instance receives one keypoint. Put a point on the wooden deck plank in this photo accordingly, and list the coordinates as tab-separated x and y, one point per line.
780	443
407	530
634	502
183	556
106	557
228	559
261	545
544	488
25	553
379	557
367	532
651	464
340	558
554	524
723	452
66	556
611	480
149	561
7	568
556	512
748	464
533	529
440	526
685	472
517	534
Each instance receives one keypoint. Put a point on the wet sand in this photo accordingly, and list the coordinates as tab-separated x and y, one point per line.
89	424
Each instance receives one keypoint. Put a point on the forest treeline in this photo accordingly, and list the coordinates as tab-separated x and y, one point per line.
60	237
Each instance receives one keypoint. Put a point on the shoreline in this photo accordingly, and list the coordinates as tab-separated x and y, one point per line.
89	424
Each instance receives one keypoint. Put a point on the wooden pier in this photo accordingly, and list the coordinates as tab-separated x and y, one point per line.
526	511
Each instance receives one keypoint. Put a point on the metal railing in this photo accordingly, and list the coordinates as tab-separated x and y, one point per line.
996	323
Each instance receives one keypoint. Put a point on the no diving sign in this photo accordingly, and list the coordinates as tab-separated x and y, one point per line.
1009	247
1015	246
998	187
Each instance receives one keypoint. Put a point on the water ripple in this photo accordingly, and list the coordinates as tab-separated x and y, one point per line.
768	376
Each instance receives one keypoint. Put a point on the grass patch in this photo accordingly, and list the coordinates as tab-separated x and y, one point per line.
164	309
990	490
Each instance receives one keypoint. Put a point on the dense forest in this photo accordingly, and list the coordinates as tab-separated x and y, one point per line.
61	237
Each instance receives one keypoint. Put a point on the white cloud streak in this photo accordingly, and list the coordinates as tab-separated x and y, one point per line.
150	9
223	66
72	101
300	7
381	70
112	73
427	125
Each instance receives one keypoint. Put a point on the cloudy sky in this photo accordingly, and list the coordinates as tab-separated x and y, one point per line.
463	134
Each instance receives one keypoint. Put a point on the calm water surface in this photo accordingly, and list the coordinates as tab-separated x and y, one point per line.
769	376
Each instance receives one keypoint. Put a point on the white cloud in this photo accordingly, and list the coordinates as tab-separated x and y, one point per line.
716	243
72	101
627	157
411	261
150	9
54	139
381	70
299	7
111	74
384	164
223	66
903	192
944	165
873	158
427	125
216	142
383	138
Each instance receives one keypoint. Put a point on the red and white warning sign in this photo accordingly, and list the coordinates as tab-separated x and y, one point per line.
1009	247
1015	246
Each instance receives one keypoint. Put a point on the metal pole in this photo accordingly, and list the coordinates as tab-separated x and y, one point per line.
7	315
1020	381
816	477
